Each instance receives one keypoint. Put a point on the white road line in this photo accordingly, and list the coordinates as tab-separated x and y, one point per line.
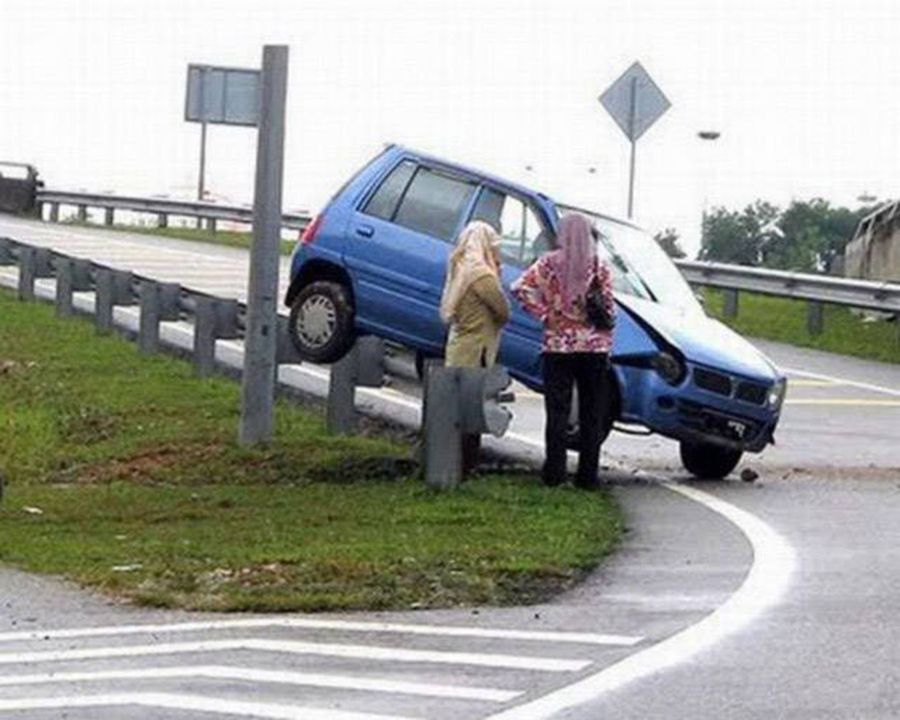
773	565
842	381
365	652
326	624
223	672
195	703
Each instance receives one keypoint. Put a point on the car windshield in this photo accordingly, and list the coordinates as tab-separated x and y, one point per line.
640	266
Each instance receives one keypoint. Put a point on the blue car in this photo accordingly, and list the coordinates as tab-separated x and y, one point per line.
373	262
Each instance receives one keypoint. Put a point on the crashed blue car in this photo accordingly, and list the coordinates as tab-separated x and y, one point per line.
373	262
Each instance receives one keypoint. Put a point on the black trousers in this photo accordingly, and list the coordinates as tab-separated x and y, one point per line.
562	372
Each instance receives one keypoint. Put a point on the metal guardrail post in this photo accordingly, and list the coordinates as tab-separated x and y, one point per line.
34	263
54	212
109	216
162	220
82	213
363	366
113	287
213	319
815	317
460	401
6	252
159	302
731	302
72	275
211	225
286	352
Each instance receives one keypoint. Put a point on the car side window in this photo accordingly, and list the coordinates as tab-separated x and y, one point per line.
522	236
384	200
433	203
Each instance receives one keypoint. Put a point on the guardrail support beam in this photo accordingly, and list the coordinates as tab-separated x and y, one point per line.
72	275
34	263
113	287
82	213
6	252
162	220
109	217
363	366
54	212
159	302
731	302
213	319
815	317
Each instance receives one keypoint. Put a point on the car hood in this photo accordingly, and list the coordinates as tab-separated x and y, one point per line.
703	340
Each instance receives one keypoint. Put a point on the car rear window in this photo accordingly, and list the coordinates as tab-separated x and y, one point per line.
433	203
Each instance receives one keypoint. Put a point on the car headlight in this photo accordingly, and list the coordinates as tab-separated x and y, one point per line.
669	367
777	393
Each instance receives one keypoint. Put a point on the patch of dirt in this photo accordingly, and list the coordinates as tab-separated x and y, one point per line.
145	467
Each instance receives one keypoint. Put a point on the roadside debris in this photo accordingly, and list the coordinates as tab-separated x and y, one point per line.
749	475
32	510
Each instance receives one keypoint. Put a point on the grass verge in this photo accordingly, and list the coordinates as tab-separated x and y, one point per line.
784	320
123	474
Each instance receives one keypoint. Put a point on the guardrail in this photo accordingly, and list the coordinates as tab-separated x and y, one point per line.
162	208
463	399
817	289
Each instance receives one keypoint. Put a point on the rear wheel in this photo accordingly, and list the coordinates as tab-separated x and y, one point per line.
321	323
709	462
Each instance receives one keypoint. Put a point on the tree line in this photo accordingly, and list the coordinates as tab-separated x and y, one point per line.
807	236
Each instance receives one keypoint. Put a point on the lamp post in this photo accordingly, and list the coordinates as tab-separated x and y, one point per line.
709	136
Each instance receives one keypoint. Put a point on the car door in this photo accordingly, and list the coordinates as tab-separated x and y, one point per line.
523	238
400	237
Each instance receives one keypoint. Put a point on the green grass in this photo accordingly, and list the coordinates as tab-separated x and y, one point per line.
785	320
230	238
123	474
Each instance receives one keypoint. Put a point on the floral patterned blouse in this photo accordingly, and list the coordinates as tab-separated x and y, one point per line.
539	292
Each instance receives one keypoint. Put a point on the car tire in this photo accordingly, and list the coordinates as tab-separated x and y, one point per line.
709	462
321	322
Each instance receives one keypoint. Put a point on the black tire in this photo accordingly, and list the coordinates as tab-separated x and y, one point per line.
709	462
321	324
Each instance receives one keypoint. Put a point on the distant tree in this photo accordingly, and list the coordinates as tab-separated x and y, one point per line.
668	241
739	237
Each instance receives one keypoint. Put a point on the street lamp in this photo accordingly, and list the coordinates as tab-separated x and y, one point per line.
708	136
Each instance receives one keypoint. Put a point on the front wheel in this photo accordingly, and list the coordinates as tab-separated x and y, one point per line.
709	462
321	323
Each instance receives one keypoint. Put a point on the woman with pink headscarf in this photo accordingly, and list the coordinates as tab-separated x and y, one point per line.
575	351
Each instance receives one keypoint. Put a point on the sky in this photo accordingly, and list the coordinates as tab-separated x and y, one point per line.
804	94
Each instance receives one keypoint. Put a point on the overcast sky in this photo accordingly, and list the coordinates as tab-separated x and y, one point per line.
805	95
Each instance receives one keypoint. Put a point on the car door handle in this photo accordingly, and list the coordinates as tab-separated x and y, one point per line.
365	230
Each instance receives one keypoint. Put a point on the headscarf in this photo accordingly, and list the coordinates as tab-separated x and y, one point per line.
574	258
473	258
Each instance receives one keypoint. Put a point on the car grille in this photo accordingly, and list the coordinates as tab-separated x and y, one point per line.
752	393
713	382
726	426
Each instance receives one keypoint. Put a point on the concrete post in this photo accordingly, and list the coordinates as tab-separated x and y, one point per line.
211	226
6	254
109	217
815	317
54	212
257	422
443	429
162	220
114	287
159	301
27	272
340	412
731	302
82	213
213	319
72	275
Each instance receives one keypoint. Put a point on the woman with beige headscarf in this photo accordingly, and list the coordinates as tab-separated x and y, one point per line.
475	307
473	302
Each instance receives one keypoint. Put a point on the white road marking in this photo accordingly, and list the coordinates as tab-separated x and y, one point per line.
842	381
195	703
765	584
324	624
365	652
224	672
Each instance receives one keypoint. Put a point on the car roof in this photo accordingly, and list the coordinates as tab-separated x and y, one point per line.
397	149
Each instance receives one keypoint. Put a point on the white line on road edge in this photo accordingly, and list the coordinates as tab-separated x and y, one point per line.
195	703
366	652
766	582
224	672
841	381
325	624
